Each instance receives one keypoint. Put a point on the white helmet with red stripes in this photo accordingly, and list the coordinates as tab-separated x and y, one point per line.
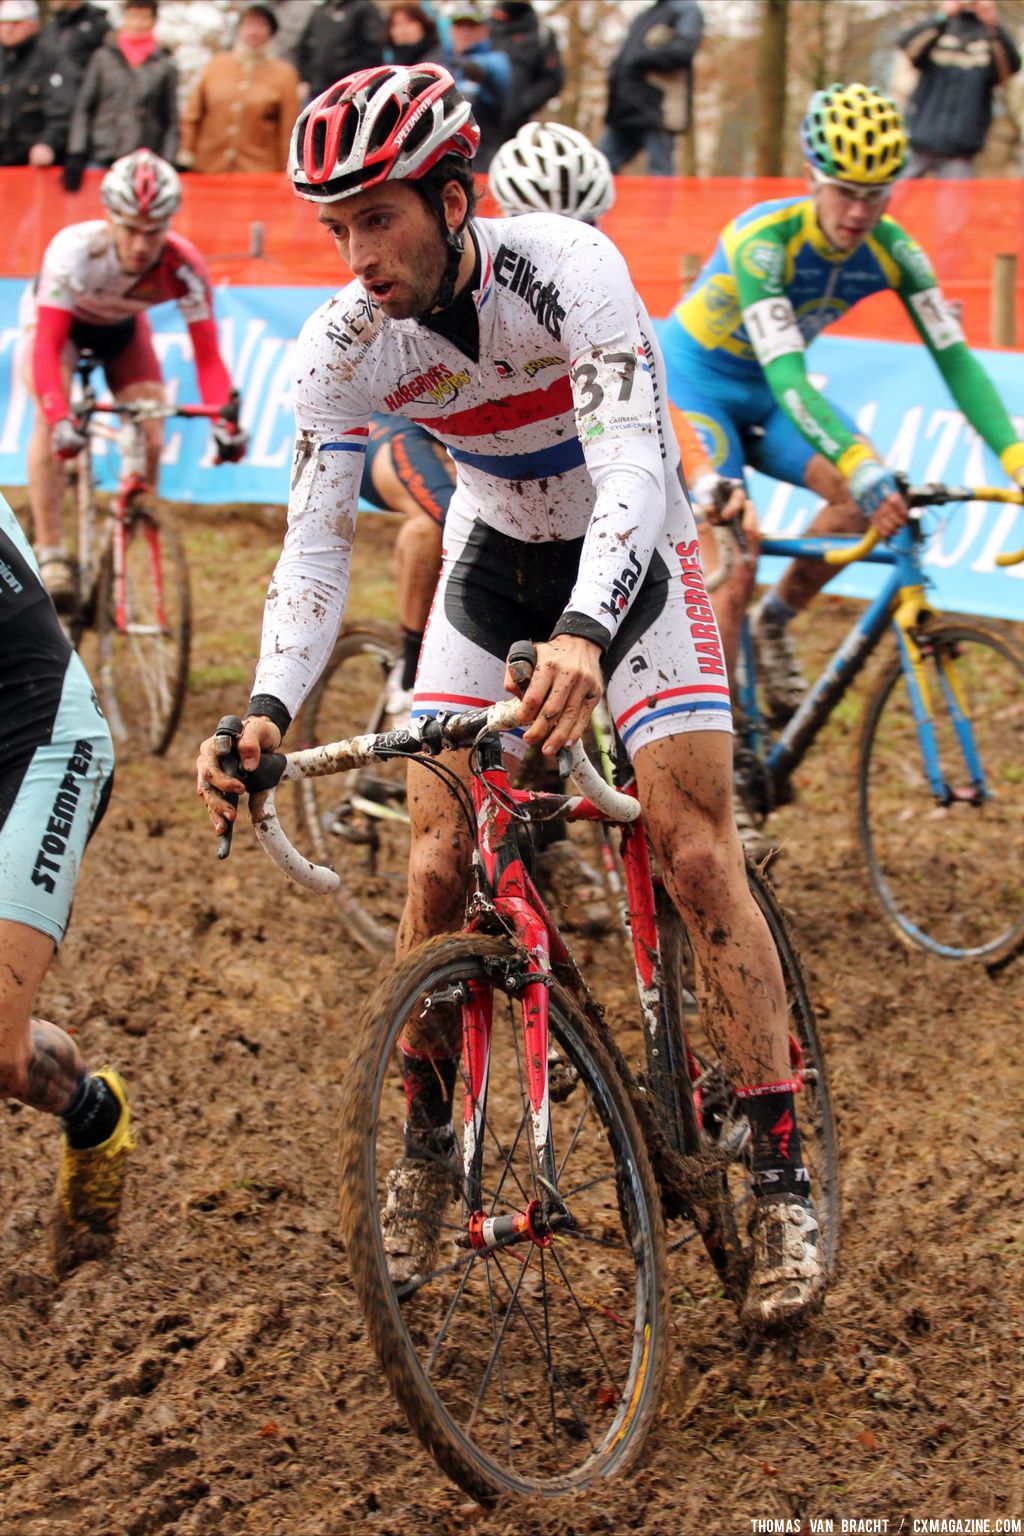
141	186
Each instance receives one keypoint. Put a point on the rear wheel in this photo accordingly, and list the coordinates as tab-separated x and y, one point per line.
357	821
710	1119
529	1369
144	633
950	877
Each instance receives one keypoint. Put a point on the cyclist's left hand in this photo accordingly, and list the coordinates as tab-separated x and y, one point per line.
719	499
876	491
230	439
890	515
566	685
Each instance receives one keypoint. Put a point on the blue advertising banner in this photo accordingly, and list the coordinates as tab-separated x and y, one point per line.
892	390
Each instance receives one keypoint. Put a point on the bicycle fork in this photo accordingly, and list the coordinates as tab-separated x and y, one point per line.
123	531
915	649
539	1219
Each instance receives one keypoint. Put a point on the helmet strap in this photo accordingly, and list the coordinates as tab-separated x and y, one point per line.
455	246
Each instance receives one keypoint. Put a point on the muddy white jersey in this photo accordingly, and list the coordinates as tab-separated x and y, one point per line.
558	432
80	274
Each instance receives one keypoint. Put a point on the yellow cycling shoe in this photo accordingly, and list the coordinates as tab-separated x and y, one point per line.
90	1187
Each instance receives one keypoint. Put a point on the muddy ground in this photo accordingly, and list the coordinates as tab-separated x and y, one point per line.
214	1376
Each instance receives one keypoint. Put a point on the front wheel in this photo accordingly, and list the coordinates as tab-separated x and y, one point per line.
528	1369
709	1121
950	876
143	628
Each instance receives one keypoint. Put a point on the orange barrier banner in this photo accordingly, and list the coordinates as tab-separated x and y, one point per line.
254	230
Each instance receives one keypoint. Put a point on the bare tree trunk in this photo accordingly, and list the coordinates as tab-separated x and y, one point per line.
771	77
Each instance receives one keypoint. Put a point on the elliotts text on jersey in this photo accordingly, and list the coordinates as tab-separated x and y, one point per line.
514	272
58	828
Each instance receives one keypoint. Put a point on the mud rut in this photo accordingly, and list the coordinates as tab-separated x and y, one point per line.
214	1376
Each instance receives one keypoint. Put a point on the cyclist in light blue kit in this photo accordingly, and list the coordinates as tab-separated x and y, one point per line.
55	777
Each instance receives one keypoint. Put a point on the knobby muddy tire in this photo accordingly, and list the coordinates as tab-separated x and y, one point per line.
634	1250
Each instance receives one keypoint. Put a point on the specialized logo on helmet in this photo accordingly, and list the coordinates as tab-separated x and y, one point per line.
514	272
439	385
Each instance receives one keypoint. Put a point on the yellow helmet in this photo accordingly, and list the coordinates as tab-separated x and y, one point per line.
853	133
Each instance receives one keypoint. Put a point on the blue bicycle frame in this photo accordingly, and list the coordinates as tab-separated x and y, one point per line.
903	603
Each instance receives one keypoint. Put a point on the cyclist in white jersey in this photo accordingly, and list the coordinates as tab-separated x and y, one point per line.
95	285
523	346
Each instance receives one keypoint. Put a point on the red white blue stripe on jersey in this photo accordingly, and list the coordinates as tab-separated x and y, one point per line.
354	441
544	403
483	292
673	701
541	464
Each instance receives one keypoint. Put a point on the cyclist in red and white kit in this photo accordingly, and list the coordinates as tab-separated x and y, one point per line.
95	285
522	345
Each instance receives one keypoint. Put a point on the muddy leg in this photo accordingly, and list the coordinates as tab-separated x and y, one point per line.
685	785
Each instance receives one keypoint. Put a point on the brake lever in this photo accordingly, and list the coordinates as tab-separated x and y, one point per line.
225	744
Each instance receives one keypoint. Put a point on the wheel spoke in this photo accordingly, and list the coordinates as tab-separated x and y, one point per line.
534	1365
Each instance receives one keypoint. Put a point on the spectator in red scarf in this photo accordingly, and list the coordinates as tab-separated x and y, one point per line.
127	100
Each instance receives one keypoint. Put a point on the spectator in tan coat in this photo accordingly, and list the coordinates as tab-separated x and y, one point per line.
239	117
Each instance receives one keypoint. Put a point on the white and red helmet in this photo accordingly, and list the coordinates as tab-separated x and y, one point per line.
390	123
141	186
549	168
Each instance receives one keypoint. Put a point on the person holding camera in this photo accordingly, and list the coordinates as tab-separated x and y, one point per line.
962	54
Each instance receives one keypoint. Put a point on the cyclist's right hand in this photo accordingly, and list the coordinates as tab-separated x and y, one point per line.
876	491
259	734
67	438
562	694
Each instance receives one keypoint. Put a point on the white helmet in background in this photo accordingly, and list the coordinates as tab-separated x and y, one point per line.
141	186
549	168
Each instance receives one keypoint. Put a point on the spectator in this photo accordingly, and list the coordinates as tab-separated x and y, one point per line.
73	34
33	102
128	99
292	16
961	55
650	85
239	117
482	74
412	34
340	37
532	49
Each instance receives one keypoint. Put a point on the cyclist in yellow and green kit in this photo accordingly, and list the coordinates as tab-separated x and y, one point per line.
735	348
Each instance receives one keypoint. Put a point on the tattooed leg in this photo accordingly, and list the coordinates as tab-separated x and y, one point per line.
39	1063
54	1070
